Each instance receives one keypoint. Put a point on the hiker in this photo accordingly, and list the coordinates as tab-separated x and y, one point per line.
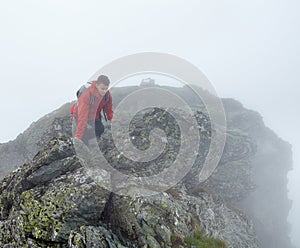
86	112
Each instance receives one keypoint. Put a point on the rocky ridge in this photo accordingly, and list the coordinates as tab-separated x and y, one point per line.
240	191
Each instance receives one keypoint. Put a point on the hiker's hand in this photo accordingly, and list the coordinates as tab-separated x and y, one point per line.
82	150
112	120
79	144
77	141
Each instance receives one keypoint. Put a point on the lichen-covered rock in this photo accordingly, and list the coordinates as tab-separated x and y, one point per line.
42	202
167	218
91	236
53	202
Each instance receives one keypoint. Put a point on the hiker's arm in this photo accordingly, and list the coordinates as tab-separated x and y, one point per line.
109	112
83	112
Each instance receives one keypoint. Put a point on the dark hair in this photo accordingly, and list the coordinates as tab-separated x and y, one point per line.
102	79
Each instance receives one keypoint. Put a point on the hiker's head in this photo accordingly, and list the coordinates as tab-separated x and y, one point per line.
102	84
102	79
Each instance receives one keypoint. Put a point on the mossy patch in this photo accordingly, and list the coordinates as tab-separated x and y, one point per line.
44	218
200	241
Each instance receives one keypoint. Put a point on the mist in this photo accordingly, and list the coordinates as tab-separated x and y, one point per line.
249	50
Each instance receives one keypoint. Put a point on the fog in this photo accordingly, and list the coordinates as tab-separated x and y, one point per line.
249	50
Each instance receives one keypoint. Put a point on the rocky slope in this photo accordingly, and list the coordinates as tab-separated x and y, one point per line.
27	144
267	204
51	201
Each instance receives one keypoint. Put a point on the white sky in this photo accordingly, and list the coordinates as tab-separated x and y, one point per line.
249	50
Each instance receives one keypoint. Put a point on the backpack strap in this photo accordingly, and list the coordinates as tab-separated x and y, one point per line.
92	99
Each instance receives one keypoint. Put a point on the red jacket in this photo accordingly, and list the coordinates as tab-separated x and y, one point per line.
87	111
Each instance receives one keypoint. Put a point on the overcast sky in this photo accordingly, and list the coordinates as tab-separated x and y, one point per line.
249	50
